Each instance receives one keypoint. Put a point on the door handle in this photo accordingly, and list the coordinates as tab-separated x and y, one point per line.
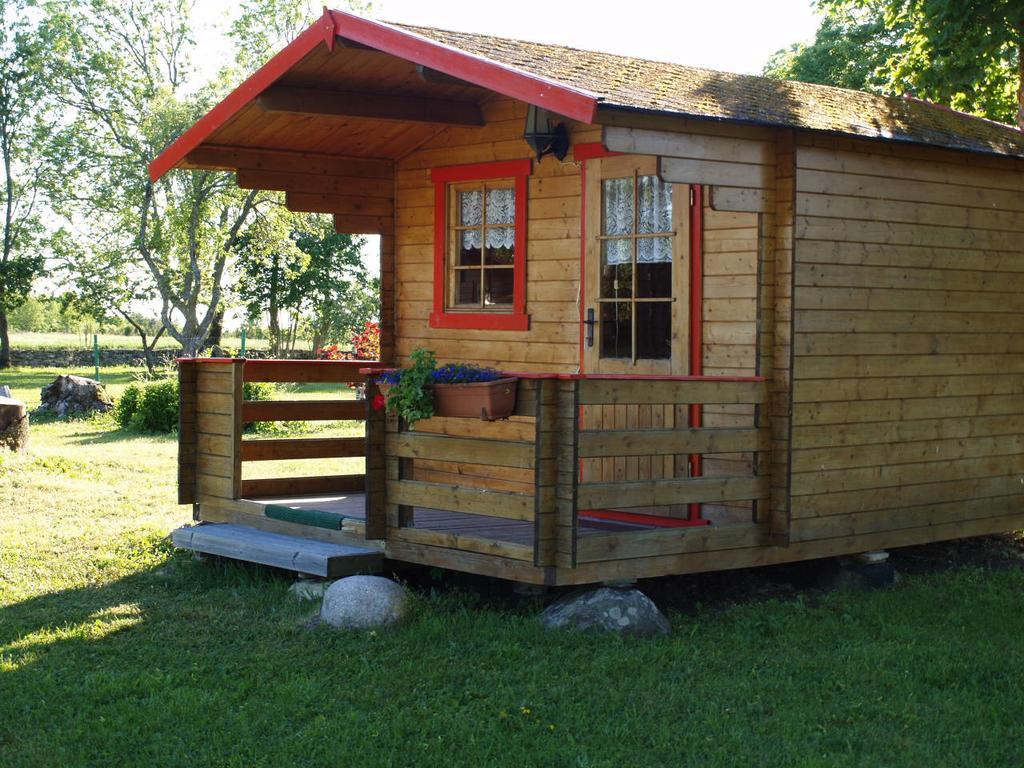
590	322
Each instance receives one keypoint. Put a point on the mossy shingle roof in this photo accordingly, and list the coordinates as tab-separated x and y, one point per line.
625	82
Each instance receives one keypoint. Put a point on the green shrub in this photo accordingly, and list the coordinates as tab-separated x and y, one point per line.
258	390
157	409
127	405
153	406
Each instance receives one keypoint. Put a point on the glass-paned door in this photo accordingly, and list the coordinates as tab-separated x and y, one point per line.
636	291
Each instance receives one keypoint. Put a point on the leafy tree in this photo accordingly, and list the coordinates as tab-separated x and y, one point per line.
297	267
25	109
964	53
848	51
127	67
105	284
269	264
338	294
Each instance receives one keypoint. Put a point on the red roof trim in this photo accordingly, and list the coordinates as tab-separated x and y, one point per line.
556	97
562	99
259	81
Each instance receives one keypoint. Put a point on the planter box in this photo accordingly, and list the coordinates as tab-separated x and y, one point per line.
486	400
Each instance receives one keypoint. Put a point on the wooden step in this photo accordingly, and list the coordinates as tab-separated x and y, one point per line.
292	553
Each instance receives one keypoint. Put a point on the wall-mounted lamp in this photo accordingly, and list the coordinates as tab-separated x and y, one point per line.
544	135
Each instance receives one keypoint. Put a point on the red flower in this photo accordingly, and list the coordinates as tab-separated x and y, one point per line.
378	402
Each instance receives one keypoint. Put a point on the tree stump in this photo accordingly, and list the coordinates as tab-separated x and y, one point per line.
13	424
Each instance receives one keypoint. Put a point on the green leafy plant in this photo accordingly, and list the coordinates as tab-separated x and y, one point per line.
127	405
157	409
409	394
258	390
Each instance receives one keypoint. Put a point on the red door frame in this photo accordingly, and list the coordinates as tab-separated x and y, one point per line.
590	151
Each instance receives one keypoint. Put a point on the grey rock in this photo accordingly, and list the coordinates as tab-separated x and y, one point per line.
854	573
308	589
364	602
607	609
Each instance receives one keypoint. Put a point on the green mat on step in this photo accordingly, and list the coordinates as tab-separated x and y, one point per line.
314	517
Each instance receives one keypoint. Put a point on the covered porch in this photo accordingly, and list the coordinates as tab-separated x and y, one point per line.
509	499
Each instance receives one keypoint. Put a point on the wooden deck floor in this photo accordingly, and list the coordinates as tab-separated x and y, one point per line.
352	506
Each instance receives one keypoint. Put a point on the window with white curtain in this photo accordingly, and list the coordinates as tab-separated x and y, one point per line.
636	268
481	269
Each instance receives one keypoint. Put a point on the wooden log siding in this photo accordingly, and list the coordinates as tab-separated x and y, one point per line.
908	344
552	250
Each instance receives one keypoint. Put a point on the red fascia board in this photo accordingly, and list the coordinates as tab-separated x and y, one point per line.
481	321
605	376
481	171
556	97
637	518
591	151
320	31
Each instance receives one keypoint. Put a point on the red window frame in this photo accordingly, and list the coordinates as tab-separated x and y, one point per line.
442	316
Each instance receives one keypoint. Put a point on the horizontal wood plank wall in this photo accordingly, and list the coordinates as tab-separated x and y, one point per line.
908	342
553	248
552	271
731	253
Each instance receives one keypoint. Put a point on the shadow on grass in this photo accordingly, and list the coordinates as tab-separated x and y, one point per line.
101	436
184	663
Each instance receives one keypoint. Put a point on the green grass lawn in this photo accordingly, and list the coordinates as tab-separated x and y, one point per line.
114	650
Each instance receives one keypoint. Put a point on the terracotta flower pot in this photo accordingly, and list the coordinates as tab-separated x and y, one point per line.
486	400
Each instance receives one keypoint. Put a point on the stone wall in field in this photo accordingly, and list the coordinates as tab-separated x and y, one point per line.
82	358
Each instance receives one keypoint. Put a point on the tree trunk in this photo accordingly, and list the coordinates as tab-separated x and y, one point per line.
13	424
5	342
213	336
1020	78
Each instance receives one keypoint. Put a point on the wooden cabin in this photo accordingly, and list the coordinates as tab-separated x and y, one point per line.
753	321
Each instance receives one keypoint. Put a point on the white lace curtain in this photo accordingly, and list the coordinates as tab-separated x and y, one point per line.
655	215
500	210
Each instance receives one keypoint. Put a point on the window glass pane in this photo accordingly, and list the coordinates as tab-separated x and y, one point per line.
654	330
616	251
655	200
617	206
501	206
471	208
467	287
616	269
500	256
469	248
616	329
617	281
650	249
654	281
498	286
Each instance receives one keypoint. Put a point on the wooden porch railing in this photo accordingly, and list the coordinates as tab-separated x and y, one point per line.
491	496
264	449
551	446
752	439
